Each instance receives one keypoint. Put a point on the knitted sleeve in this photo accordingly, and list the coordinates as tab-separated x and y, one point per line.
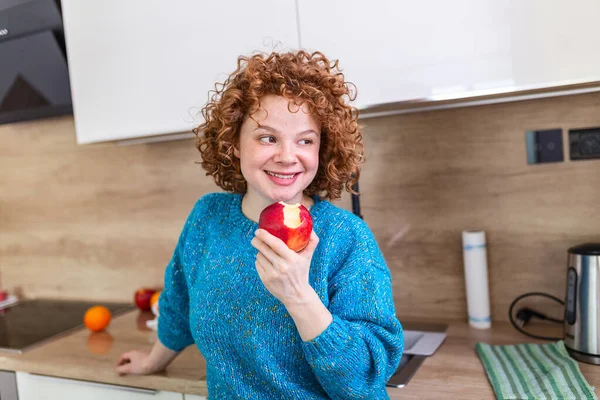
359	351
173	321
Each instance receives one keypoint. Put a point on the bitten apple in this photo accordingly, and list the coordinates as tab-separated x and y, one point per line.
142	298
291	223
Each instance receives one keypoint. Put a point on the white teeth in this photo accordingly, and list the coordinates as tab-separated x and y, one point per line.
281	176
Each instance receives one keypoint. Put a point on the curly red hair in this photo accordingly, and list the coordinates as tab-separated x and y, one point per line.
303	78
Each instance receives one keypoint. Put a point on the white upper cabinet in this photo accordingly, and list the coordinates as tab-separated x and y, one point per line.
555	42
436	49
144	67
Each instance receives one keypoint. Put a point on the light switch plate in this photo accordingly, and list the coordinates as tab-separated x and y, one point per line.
544	146
584	144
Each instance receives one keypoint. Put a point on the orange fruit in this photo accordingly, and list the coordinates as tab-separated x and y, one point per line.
154	298
97	318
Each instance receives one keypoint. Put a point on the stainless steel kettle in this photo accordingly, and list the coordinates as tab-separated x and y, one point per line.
582	303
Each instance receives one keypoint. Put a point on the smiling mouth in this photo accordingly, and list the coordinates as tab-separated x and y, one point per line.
281	176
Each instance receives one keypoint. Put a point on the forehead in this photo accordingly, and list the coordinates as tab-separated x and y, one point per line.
281	114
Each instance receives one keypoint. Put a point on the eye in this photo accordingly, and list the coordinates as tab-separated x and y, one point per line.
306	141
267	139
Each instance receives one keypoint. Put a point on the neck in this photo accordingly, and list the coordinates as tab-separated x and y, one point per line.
252	209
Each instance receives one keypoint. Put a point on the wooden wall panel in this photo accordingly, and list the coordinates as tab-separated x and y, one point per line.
98	221
431	175
93	221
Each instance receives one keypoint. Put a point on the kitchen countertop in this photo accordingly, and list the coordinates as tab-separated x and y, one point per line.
93	357
454	371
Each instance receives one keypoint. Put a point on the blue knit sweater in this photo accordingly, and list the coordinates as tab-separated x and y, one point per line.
214	297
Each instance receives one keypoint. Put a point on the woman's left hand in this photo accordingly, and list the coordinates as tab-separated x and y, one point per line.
283	271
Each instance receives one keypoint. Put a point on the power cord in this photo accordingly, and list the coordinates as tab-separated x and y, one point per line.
525	314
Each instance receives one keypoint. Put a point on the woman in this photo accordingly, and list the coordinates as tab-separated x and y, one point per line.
273	323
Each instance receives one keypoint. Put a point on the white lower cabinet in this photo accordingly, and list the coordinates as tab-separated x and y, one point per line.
193	397
39	387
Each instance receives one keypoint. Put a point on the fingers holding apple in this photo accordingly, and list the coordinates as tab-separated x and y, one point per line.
284	273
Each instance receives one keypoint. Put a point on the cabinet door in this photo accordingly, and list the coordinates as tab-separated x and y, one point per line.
193	397
145	67
555	42
436	49
37	387
407	50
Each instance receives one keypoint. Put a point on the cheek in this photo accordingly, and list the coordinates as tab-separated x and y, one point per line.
314	158
254	157
311	162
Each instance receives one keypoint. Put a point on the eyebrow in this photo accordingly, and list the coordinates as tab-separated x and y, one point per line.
271	129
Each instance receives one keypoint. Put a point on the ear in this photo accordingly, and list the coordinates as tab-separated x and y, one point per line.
236	151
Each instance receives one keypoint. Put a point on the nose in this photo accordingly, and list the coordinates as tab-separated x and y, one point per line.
286	154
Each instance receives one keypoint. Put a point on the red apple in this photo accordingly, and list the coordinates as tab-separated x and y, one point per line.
142	298
291	223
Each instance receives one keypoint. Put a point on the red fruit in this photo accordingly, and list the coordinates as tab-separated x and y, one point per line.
142	298
291	223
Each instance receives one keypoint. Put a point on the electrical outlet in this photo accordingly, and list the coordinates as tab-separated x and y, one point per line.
544	146
584	144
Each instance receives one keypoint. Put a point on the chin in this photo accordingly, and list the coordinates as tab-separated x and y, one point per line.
288	194
287	197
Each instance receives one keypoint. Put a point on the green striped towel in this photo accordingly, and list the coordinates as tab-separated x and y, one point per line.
533	371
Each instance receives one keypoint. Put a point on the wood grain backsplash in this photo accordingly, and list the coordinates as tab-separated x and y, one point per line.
98	221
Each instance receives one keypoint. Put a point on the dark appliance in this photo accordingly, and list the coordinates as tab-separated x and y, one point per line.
8	385
32	322
34	76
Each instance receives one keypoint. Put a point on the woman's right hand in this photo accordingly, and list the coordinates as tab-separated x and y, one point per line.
133	362
143	363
